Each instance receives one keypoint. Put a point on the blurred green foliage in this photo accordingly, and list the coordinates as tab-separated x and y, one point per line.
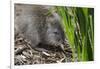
78	25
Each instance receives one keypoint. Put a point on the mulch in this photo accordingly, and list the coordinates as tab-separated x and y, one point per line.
25	55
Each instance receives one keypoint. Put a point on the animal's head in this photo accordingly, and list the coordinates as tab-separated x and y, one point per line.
55	34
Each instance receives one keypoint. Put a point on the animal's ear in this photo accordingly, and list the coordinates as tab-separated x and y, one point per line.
49	19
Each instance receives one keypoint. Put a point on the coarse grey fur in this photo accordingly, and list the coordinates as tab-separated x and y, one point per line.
33	22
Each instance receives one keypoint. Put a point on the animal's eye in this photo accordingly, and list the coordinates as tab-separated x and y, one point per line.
55	32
